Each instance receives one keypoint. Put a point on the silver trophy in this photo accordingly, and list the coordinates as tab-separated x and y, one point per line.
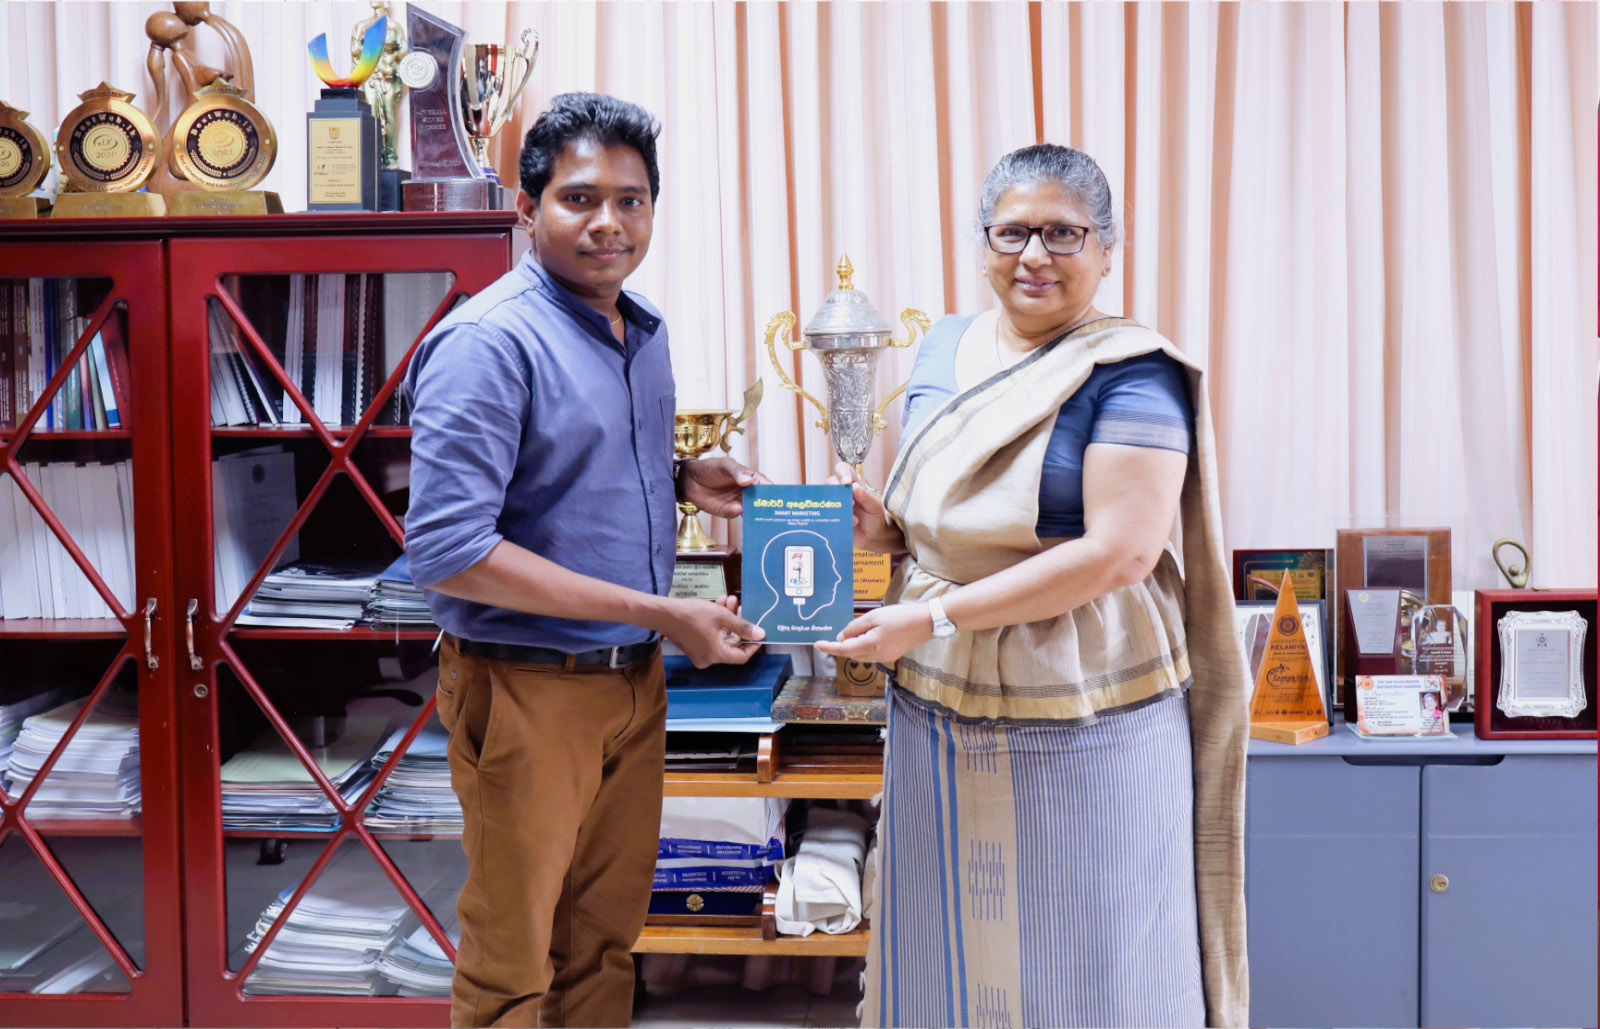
847	334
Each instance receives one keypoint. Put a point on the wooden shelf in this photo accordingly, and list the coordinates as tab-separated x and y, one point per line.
360	633
304	432
409	223
38	434
86	826
683	939
813	785
66	628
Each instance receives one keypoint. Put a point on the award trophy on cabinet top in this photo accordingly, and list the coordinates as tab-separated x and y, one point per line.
341	131
24	162
702	565
492	78
223	144
382	90
452	88
108	149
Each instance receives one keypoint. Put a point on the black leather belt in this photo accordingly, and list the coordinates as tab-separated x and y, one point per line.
610	657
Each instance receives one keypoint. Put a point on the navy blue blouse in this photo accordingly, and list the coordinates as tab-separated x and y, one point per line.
1142	401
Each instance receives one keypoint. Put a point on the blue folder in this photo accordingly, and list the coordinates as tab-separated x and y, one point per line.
725	691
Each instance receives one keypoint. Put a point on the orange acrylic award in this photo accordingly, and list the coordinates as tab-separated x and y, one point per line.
1286	706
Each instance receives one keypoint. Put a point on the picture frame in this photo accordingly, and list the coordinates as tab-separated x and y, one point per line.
1307	566
1490	721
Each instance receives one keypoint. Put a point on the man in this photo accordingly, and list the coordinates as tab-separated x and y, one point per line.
542	524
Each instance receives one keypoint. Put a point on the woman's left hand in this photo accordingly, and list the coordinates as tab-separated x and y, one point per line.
883	635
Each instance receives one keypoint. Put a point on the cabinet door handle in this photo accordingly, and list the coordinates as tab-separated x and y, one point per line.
188	633
150	659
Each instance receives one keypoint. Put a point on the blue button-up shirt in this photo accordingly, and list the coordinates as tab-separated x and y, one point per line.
531	423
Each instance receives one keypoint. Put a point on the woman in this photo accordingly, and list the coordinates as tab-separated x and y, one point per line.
1062	831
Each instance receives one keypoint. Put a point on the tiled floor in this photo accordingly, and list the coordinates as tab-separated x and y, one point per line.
726	1007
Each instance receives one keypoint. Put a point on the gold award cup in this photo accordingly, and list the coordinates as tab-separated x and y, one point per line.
492	77
696	432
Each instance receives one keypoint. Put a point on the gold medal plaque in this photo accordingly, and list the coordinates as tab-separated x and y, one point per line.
222	142
24	162
107	145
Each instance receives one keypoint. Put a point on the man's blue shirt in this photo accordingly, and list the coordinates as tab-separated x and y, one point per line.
531	423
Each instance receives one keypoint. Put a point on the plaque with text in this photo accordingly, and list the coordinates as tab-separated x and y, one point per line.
1541	664
1558	675
1416	560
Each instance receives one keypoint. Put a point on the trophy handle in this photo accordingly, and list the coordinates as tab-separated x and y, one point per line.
752	398
1516	575
913	320
784	322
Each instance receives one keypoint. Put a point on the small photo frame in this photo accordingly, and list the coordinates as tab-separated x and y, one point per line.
1389	706
1257	574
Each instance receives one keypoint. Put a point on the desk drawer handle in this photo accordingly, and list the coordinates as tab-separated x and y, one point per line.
1439	883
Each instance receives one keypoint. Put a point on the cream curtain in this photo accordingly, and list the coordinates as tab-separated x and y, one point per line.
1374	224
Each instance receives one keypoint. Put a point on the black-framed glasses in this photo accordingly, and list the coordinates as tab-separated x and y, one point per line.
1061	240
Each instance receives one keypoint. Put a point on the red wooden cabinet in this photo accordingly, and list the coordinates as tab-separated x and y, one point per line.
90	907
175	901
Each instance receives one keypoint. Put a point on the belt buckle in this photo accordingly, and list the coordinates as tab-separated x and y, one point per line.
615	651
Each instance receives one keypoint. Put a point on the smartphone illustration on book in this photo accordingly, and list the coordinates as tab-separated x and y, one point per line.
799	575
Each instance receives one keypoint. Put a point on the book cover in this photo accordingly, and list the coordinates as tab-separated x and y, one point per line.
798	561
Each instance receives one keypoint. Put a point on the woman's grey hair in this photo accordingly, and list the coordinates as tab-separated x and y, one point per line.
1073	170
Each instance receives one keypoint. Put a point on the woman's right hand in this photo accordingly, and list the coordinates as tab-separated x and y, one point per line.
874	530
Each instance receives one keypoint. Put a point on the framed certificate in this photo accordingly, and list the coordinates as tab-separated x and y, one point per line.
1535	668
1400	705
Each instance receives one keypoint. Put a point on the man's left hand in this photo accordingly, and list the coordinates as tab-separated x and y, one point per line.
884	634
715	485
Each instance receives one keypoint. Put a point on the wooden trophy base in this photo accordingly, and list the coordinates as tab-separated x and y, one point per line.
195	202
452	195
1289	732
706	574
24	207
109	205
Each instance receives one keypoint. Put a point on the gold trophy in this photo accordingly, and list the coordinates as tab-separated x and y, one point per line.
492	77
223	144
24	162
108	149
701	568
382	90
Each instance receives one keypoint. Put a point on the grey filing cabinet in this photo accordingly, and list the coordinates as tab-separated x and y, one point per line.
1343	840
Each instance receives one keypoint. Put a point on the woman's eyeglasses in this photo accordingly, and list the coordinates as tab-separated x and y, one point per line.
1061	240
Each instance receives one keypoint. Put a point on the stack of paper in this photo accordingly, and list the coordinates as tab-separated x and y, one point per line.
396	603
334	937
719	843
13	714
97	775
312	594
265	786
253	500
417	796
417	965
94	503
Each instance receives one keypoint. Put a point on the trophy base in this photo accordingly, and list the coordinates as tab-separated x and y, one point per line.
341	153
1289	732
109	205
389	182
24	207
706	575
225	202
453	195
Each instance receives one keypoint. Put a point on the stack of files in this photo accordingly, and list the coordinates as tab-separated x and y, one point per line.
14	712
417	964
719	843
313	595
396	603
94	503
331	345
417	796
265	786
240	394
334	937
97	775
252	501
40	322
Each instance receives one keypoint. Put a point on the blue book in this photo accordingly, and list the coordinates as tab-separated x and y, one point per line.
798	561
726	691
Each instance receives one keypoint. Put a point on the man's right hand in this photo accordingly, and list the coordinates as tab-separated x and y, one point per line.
873	529
710	633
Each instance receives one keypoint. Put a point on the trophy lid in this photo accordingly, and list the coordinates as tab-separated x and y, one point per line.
847	311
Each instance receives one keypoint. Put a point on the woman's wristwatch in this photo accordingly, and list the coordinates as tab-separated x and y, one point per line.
943	627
